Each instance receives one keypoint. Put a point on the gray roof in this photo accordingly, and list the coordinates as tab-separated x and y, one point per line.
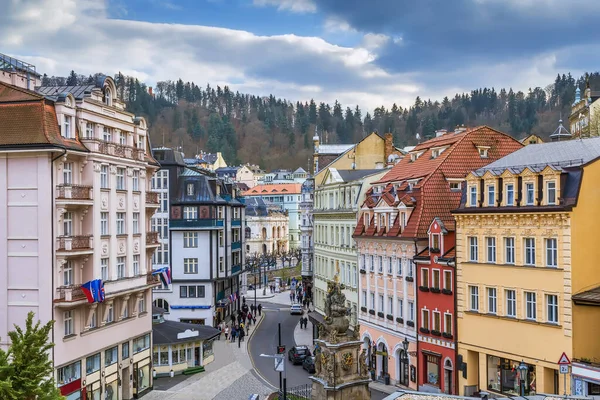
333	148
53	92
257	207
349	175
564	154
166	332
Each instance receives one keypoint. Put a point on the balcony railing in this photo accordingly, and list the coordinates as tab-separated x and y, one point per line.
79	192
236	222
152	238
236	245
235	269
196	223
74	243
152	197
114	149
152	279
69	293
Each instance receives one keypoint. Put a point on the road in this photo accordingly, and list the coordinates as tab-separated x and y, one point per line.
265	339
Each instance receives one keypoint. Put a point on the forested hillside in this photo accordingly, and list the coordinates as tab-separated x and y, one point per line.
277	133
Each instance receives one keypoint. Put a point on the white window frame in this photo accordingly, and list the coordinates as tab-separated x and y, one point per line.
510	194
104	269
68	324
68	224
110	313
121	173
551	190
190	212
411	311
104	181
530	306
551	252
474	298
104	228
509	250
190	240
136	265
135	181
491	195
473	195
473	248
107	134
447	272
425	321
68	173
68	273
490	242
190	265
136	222
529	251
551	308
121	269
492	300
121	222
68	127
511	302
529	193
89	130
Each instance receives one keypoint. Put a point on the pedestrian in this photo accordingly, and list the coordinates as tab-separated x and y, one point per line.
221	329
260	309
226	332
249	318
301	322
233	334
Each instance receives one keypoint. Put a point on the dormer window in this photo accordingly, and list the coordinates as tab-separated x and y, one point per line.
434	243
107	96
455	186
483	151
551	192
89	130
473	196
435	153
190	189
491	195
530	194
67	131
510	194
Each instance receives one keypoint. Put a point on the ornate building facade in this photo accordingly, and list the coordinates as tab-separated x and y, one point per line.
266	229
306	235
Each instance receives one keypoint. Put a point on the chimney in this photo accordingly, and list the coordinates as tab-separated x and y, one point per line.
388	146
440	132
460	129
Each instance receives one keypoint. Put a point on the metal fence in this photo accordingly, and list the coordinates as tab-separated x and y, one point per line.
302	392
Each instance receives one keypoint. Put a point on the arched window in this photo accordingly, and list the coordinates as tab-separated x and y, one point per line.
248	232
264	233
161	303
107	96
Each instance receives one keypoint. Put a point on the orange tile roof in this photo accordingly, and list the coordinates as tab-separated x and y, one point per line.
281	188
28	119
432	196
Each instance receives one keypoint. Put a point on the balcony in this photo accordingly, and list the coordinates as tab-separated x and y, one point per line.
74	194
153	280
75	244
69	294
195	223
152	199
236	222
114	149
236	245
131	284
152	239
236	269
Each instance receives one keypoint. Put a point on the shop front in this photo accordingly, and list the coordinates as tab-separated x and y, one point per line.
141	373
510	377
68	380
585	378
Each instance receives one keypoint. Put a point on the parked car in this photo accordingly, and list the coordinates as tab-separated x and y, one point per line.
297	354
309	364
296	309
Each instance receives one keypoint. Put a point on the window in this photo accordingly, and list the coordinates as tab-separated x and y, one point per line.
530	305
89	130
68	322
425	319
183	292
92	364
380	263
432	370
411	311
448	280
220	212
104	269
190	265
400	308
190	212
136	222
221	239
111	356
410	268
389	265
473	196
529	251
509	250
120	223
483	152
491	249
425	277
511	303
381	303
455	186
107	134
473	250
68	173
68	373
190	189
120	178
93	319
190	239
435	242
141	343
492	300
142	305
364	298
110	313
68	273
371	263
68	224
435	278
530	198
448	324
135	181
491	195
551	192
221	264
104	177
120	267
510	194
552	308
122	138
551	253
474	299
125	350
136	264
399	266
68	127
390	305
372	301
104	223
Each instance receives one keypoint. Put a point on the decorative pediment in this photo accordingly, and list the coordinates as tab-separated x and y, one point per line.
528	172
550	171
508	174
472	177
489	175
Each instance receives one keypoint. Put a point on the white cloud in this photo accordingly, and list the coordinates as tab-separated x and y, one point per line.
298	6
333	25
373	41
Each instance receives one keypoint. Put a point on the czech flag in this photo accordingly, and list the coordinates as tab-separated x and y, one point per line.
94	291
164	274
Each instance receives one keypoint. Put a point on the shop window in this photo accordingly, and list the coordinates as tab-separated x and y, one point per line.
141	343
503	377
68	373
92	364
432	370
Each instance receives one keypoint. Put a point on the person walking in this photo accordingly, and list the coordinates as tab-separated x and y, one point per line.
260	309
226	332
249	318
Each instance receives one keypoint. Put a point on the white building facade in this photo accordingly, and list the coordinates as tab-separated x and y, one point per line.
306	235
266	227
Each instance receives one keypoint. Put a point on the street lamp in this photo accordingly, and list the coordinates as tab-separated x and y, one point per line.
522	368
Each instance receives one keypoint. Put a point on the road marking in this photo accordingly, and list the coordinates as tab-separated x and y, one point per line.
258	374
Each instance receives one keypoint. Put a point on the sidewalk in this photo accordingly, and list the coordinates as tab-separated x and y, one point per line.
229	376
280	298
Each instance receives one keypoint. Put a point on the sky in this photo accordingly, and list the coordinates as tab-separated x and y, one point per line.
365	52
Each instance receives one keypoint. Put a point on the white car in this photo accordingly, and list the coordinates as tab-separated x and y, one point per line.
296	309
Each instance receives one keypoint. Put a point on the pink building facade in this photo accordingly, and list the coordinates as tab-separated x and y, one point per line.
74	172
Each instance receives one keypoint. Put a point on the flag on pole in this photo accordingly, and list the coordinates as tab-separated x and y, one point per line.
94	291
164	274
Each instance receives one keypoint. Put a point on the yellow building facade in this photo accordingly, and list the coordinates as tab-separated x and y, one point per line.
525	245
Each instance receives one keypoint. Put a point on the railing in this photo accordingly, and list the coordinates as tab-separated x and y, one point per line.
74	243
80	192
152	238
236	245
152	197
195	223
114	149
69	293
236	222
302	392
152	279
235	269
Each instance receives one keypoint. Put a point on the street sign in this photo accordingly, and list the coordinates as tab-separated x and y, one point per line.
564	368
279	364
564	360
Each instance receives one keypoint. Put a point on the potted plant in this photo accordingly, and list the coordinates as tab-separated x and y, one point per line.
436	333
380	314
390	317
423	330
372	312
410	323
434	290
423	288
446	291
363	271
399	320
363	309
410	279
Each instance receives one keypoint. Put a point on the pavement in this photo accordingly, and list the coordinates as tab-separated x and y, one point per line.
229	376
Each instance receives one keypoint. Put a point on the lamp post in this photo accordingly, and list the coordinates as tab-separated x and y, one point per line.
522	368
405	345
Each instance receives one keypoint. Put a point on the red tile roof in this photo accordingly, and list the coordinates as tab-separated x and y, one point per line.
28	119
282	188
432	197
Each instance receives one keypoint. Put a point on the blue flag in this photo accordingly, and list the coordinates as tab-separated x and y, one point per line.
94	291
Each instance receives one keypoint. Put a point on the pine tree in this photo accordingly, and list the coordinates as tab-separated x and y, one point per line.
72	79
26	372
